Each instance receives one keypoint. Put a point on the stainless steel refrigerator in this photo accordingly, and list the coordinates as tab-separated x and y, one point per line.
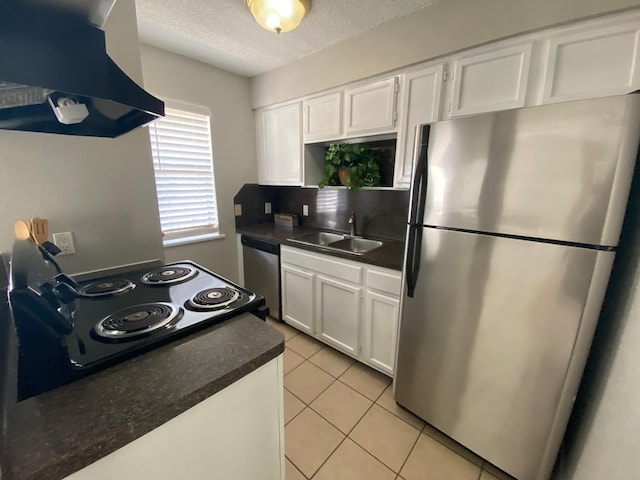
513	226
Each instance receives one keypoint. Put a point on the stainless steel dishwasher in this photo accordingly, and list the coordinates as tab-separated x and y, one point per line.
262	271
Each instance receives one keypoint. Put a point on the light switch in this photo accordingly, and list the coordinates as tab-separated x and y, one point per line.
305	210
238	209
267	208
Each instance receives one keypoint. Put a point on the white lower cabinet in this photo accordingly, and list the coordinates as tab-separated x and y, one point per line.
213	439
381	318
338	313
297	298
349	305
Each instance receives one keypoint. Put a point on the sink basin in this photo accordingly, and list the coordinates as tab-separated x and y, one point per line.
320	238
356	245
338	243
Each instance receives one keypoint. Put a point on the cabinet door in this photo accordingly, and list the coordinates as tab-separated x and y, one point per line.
593	64
279	141
338	313
323	117
298	298
491	81
420	104
371	108
380	331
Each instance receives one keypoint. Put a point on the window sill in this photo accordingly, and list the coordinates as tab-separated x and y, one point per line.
176	242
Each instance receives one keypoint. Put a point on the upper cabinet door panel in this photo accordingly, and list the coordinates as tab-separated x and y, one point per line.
371	108
279	145
323	117
592	63
421	96
491	81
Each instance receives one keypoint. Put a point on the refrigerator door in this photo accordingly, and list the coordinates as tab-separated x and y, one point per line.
487	338
558	172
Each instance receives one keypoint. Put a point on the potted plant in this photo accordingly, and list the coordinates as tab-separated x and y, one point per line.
352	165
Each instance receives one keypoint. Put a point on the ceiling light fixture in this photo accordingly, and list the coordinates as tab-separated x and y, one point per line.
279	15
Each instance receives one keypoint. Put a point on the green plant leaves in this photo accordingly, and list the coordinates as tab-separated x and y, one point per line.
359	159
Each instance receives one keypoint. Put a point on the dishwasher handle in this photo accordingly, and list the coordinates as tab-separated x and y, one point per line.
262	245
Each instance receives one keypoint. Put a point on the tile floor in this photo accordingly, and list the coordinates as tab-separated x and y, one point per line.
341	422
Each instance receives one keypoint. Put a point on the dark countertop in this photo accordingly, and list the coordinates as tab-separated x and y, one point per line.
59	432
388	256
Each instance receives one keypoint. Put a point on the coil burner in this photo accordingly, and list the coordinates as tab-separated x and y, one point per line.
138	320
169	275
213	299
106	288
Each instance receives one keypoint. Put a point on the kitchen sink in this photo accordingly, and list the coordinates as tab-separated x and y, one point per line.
356	245
338	242
321	239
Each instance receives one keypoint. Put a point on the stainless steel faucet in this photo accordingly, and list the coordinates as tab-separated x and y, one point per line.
352	223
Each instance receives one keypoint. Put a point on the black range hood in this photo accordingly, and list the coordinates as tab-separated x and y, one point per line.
56	77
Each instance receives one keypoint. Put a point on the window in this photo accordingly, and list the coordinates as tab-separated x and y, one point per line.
183	165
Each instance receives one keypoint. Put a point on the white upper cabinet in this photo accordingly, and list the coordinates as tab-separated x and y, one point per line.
592	63
279	145
323	117
420	103
491	81
371	109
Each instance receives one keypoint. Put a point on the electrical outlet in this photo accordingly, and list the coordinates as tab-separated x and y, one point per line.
305	210
64	241
267	208
238	209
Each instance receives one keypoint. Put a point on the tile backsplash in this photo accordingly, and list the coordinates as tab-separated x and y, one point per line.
379	213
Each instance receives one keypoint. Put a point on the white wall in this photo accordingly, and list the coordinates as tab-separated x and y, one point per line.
100	189
443	28
603	435
611	432
171	76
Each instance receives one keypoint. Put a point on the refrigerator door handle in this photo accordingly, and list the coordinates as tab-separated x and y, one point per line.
414	250
419	187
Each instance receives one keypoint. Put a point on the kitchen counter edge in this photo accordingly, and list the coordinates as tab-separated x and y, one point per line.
389	256
59	432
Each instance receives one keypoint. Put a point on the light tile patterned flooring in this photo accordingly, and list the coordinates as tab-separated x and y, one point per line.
341	423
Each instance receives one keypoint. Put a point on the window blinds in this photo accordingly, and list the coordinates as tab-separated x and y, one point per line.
183	164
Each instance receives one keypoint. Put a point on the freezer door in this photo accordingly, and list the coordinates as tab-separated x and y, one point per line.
557	172
486	340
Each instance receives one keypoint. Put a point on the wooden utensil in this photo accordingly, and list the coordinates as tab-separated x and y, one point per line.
22	231
39	229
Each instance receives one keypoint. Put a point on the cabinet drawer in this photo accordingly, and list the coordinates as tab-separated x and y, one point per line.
342	269
387	281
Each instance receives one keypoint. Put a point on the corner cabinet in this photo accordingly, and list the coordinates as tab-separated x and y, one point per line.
353	307
279	145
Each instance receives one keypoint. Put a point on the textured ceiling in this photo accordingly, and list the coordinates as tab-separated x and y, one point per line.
224	34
